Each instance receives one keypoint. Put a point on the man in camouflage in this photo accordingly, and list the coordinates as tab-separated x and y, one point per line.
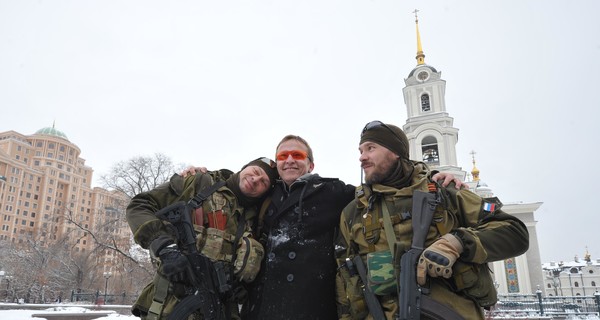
466	233
216	225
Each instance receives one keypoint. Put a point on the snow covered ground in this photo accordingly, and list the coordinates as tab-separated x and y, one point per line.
27	313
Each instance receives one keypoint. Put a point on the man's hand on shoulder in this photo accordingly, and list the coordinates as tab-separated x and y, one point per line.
192	171
448	178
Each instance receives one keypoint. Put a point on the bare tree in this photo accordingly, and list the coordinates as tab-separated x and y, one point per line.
138	174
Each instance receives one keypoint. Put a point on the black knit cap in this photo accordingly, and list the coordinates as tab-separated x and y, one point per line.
387	135
268	165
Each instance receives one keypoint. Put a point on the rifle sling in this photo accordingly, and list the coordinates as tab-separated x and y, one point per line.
203	194
388	227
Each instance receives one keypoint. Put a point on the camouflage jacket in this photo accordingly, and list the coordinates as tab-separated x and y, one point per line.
141	210
220	208
486	236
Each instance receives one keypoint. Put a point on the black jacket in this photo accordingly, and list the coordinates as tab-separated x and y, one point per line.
297	277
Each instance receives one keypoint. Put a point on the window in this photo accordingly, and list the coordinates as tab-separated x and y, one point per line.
425	106
576	284
429	147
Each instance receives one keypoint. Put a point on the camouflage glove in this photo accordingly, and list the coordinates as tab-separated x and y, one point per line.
173	264
437	260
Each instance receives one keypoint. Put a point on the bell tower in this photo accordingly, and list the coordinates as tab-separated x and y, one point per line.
429	128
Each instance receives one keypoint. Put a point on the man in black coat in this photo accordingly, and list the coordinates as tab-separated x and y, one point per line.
297	276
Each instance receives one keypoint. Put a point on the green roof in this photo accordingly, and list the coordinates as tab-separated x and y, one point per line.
51	131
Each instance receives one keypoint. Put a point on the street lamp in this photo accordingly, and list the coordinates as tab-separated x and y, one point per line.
106	276
4	275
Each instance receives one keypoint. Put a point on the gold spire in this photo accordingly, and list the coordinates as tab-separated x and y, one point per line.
588	256
420	55
475	171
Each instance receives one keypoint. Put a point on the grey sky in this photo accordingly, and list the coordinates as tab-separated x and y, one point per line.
219	83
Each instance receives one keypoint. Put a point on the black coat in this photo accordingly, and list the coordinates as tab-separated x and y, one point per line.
297	276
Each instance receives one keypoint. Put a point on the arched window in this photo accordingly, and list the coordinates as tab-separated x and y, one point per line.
429	149
593	283
549	286
425	106
574	270
576	284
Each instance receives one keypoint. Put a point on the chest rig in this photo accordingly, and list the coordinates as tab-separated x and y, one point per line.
371	205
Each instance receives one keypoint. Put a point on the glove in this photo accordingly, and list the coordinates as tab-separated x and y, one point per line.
437	260
173	264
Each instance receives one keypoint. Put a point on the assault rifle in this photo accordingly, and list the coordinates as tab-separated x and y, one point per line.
207	279
412	300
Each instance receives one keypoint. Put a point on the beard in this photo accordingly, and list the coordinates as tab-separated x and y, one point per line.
382	171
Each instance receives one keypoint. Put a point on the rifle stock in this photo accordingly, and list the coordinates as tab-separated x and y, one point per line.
204	277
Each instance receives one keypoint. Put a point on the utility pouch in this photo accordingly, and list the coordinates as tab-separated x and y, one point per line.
474	281
248	259
381	278
146	302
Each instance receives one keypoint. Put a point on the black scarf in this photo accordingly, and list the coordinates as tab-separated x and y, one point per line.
401	176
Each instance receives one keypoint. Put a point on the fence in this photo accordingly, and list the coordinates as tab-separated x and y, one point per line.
99	298
554	307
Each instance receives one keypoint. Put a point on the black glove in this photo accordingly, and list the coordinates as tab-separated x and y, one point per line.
173	264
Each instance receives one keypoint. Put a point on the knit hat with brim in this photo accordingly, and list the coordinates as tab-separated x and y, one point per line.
268	165
387	135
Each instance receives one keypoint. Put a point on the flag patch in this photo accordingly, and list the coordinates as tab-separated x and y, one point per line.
489	206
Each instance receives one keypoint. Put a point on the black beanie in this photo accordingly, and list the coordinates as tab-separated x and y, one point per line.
268	165
387	135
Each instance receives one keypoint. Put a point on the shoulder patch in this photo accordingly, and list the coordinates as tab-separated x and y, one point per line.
489	207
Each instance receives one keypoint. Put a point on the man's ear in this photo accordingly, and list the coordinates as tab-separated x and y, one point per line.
311	167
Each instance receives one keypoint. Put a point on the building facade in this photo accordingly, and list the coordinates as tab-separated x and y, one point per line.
572	278
46	197
433	138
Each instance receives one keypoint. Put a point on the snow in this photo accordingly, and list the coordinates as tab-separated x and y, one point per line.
27	313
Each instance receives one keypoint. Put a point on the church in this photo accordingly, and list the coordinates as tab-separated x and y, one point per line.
433	138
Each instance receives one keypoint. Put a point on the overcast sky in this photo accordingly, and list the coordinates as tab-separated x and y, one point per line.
219	83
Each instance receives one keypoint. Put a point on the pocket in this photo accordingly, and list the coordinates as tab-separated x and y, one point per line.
475	281
381	273
464	275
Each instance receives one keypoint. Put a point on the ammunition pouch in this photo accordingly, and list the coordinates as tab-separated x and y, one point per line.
249	256
353	291
475	282
215	244
380	268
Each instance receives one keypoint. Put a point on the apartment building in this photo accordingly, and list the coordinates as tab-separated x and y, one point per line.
46	195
